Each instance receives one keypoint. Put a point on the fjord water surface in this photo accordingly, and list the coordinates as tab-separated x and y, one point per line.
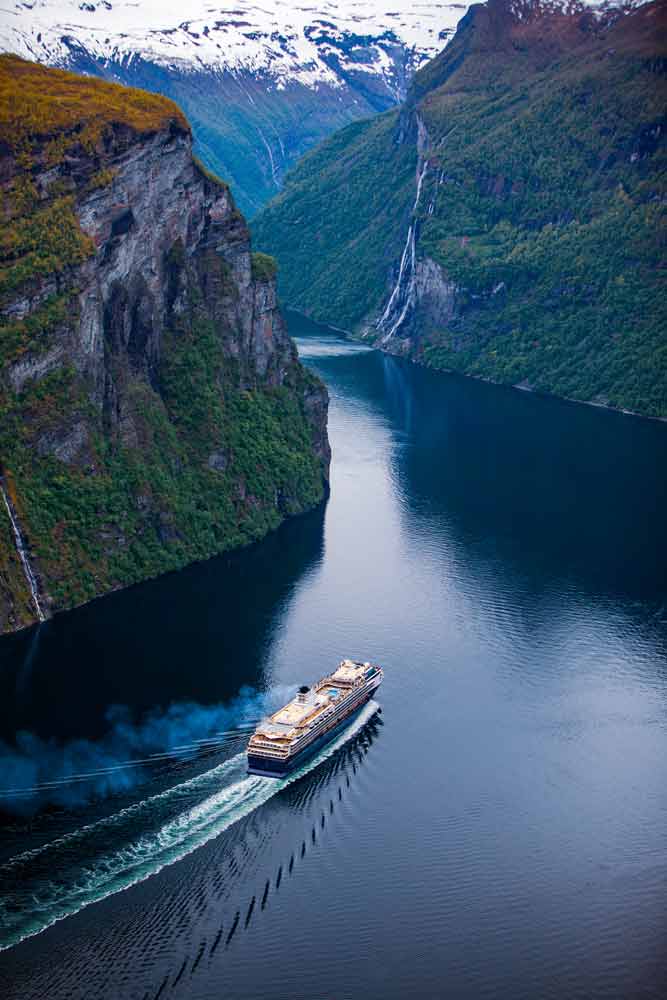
499	830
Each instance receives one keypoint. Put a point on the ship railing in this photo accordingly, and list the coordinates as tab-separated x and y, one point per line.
327	680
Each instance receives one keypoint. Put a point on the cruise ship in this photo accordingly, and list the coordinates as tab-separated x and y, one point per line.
295	732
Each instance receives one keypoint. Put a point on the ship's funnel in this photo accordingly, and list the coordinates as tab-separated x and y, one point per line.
303	691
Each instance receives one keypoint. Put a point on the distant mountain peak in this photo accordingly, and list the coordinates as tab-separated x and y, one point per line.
309	43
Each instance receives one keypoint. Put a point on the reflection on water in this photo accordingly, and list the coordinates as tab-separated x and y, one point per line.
138	647
503	557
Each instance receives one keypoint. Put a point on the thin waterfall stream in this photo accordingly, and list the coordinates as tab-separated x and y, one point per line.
22	553
402	294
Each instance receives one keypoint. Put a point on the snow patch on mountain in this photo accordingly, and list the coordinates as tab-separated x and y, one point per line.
530	10
311	44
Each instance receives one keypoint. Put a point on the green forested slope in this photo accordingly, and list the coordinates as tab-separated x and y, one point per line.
543	204
340	217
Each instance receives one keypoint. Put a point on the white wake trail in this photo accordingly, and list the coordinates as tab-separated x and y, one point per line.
233	795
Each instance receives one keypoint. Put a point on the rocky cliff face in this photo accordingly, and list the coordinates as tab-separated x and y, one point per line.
153	410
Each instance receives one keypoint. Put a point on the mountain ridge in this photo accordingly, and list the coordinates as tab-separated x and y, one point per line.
508	221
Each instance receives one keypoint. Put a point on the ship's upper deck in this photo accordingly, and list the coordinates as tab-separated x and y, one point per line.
349	672
303	710
296	712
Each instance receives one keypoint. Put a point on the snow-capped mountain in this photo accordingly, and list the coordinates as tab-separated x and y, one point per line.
261	82
311	44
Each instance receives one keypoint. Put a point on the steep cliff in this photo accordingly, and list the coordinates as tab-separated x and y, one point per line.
152	407
509	221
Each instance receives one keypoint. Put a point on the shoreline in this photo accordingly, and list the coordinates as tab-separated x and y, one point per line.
349	335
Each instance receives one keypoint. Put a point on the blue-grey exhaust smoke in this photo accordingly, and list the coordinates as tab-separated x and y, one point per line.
35	773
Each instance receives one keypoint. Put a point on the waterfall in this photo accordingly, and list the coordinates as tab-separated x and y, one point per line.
23	555
420	181
405	294
402	296
401	272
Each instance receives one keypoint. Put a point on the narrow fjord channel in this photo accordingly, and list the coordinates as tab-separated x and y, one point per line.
500	828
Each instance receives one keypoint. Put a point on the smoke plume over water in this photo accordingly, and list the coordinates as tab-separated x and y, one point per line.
35	772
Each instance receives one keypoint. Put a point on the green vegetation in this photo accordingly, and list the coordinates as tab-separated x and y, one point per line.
554	197
38	103
127	513
264	268
42	242
101	179
208	174
32	333
47	115
547	163
15	602
231	131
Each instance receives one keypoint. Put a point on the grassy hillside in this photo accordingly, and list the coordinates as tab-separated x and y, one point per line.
36	101
543	202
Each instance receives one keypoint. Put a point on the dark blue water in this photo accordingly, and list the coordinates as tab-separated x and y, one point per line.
500	829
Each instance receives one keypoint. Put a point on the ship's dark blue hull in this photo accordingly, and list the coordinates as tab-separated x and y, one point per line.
278	768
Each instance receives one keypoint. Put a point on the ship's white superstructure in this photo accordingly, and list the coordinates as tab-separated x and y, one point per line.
285	738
